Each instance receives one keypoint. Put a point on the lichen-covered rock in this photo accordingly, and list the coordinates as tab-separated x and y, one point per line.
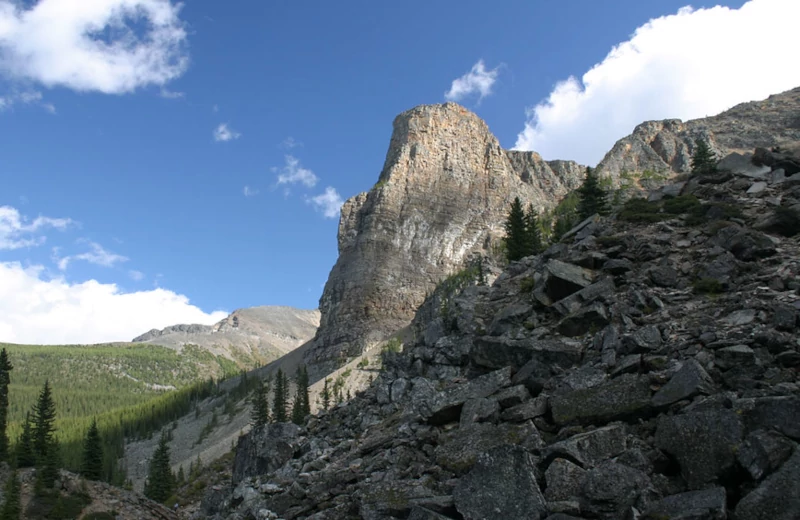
689	381
704	443
501	485
264	449
623	397
777	498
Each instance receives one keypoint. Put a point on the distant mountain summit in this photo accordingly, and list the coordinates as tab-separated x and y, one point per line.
249	337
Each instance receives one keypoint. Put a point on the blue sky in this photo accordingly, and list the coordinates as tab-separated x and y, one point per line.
195	162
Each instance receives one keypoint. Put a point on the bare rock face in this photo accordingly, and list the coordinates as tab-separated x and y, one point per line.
666	146
443	194
255	334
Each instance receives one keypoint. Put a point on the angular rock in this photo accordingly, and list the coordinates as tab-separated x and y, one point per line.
704	443
707	504
624	397
763	452
689	381
643	341
777	498
591	448
458	451
775	413
398	389
784	317
528	410
740	317
534	375
564	480
562	279
757	188
264	450
593	317
663	276
509	318
501	485
446	406
733	356
512	396
585	296
496	352
479	410
742	164
421	513
618	266
611	489
745	244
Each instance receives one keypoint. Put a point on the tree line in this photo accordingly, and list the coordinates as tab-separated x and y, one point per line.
527	232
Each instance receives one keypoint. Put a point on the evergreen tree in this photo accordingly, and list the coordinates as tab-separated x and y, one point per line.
26	458
515	232
44	417
533	233
181	476
326	395
259	416
703	158
5	380
593	198
302	404
92	464
160	483
12	506
280	398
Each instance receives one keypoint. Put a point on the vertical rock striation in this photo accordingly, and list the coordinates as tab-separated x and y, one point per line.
442	194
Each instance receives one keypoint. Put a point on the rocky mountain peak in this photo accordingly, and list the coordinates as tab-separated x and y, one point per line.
441	196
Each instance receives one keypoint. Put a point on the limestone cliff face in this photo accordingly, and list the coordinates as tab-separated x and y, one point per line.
442	194
667	146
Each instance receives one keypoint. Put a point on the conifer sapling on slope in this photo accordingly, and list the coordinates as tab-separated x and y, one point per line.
5	380
301	406
160	483
515	232
12	506
92	464
593	198
533	243
325	395
279	398
45	445
703	158
259	416
26	458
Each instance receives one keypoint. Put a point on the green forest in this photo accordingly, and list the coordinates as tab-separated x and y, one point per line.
131	390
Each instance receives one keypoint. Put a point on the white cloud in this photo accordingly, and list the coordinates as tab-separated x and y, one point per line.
692	64
170	94
96	255
135	275
477	81
328	203
27	97
222	133
17	231
290	142
293	173
35	309
249	192
109	46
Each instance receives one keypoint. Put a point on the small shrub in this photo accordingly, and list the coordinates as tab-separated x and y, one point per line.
364	363
681	204
394	345
707	286
640	210
527	285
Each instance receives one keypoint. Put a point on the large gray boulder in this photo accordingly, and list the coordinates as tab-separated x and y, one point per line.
264	449
611	489
591	448
446	406
777	498
497	352
458	450
624	397
689	381
763	452
707	504
501	485
704	443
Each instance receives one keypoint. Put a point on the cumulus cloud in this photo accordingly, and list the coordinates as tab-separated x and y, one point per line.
692	64
18	231
96	255
293	173
249	192
222	133
36	309
477	81
328	203
109	46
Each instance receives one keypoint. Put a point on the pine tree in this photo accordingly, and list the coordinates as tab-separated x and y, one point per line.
593	198
326	395
26	458
160	482
259	416
301	406
44	417
703	158
533	233
5	380
306	396
92	464
515	231
279	398
181	476
12	506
